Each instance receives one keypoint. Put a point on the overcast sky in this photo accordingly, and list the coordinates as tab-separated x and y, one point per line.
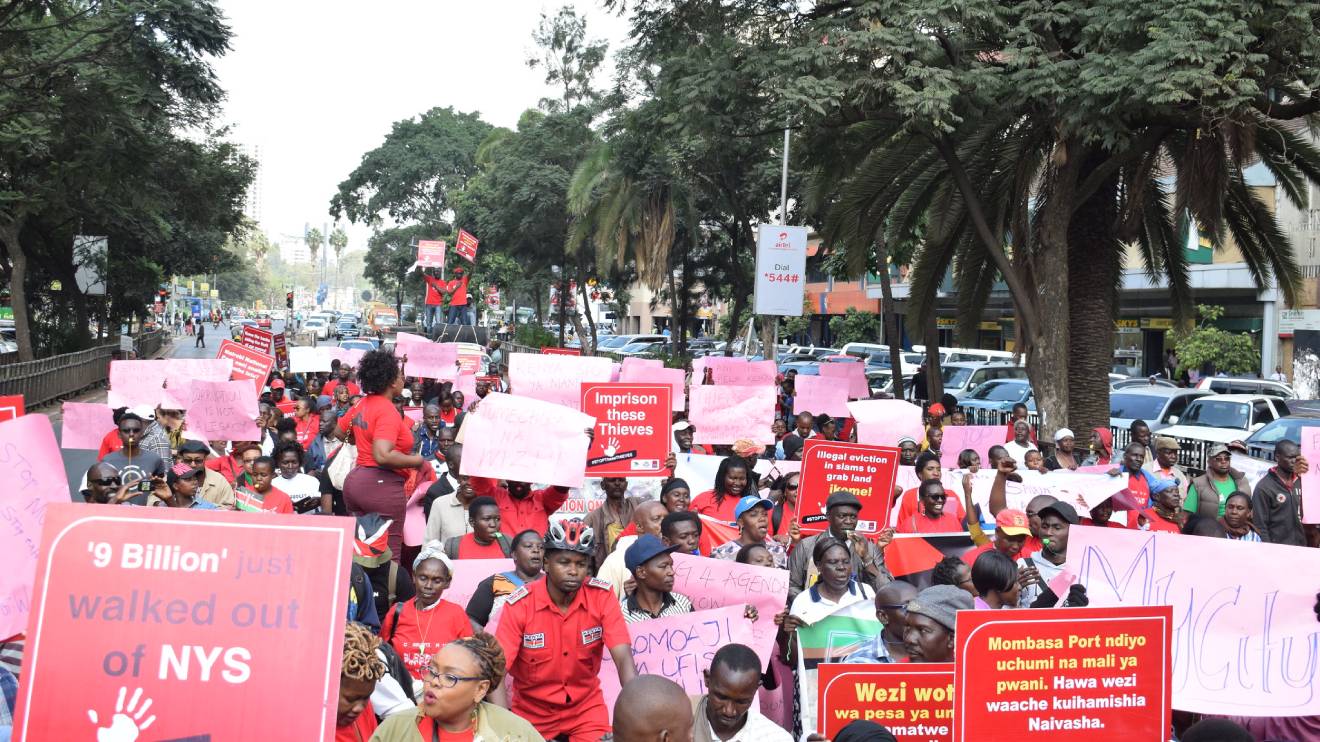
317	84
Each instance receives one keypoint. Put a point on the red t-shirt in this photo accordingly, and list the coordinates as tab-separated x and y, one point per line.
1139	490
1030	546
109	444
969	557
458	290
433	288
1106	524
418	634
430	729
227	466
920	523
468	548
704	504
1155	522
909	505
329	389
273	502
307	430
790	513
361	729
375	417
285	405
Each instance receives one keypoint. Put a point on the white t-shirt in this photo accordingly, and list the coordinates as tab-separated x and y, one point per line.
1048	571
298	487
1018	452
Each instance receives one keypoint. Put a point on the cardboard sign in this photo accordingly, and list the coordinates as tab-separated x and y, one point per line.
882	422
466	246
556	379
256	339
719	583
852	372
304	359
1092	674
431	253
552	351
723	414
820	396
1246	628
223	411
34	476
675	378
467	573
248	363
634	365
11	406
85	425
749	373
833	466
427	360
632	429
136	383
979	438
525	440
185	624
1310	444
914	701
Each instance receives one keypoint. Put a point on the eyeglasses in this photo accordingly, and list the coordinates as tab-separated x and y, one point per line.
892	607
447	680
107	482
790	486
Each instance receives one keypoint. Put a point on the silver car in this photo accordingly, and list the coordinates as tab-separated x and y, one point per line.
1153	404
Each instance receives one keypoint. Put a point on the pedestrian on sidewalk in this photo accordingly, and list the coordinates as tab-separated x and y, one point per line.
201	335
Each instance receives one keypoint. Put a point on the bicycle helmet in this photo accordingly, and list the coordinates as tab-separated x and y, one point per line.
570	535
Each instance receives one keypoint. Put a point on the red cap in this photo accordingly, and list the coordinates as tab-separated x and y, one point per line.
1013	522
936	410
277	384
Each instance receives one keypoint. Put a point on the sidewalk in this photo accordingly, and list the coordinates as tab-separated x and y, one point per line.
54	411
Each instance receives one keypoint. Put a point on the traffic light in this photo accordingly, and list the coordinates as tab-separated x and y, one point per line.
288	299
163	295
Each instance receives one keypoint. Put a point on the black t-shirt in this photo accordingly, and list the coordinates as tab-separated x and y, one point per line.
380	585
141	465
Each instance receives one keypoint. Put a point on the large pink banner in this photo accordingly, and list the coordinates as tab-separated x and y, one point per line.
820	396
34	478
223	410
881	422
526	440
469	572
135	383
979	438
1244	638
425	359
854	372
676	378
637	364
1310	444
717	583
554	378
723	414
85	425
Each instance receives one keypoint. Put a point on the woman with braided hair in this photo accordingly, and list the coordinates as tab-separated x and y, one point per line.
357	679
453	707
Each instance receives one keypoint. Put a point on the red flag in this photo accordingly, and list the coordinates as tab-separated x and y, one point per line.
715	533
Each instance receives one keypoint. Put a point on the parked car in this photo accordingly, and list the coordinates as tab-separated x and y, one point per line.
1261	443
1154	404
1222	418
881	381
962	378
318	327
264	322
619	342
367	344
1246	385
645	348
999	395
347	328
1127	382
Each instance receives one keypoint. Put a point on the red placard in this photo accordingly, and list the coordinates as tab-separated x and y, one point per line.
466	246
248	363
431	253
1066	675
184	624
11	406
866	471
914	700
632	429
548	351
256	338
281	351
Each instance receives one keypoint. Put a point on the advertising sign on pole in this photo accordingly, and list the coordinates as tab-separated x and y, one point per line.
632	429
781	267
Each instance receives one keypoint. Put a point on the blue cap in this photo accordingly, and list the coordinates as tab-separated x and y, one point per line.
750	501
644	549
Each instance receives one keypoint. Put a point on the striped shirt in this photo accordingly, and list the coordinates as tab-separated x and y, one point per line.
673	604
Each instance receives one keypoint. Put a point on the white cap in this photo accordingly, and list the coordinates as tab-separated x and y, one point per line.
1062	433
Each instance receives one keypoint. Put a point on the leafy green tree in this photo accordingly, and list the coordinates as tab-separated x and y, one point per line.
1231	352
569	58
854	326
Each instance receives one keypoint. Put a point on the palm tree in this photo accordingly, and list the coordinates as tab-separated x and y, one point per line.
338	241
314	240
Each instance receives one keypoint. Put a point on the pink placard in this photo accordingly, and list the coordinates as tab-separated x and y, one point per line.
469	572
979	438
181	372
85	425
526	440
882	422
223	410
747	373
676	378
413	413
852	371
718	583
136	383
467	384
34	478
427	360
633	365
554	378
723	414
1245	628
820	396
1310	445
616	372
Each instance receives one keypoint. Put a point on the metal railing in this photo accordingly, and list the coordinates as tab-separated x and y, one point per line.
48	379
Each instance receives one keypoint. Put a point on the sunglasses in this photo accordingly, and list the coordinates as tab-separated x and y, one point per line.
107	482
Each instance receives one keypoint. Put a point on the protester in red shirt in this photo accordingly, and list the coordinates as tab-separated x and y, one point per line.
1019	413
1101	514
457	290
383	440
928	469
931	518
112	442
234	466
355	721
521	508
262	497
554	632
343	379
277	398
1166	516
306	424
418	628
731	479
1012	528
486	541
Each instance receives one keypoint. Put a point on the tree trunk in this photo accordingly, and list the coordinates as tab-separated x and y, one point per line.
892	334
9	232
1047	358
685	304
591	321
564	296
739	303
1094	266
934	380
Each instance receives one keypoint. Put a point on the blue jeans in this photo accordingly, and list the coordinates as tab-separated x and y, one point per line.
457	315
432	315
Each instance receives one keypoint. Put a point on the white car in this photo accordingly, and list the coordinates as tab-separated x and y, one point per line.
1246	385
318	326
1222	418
